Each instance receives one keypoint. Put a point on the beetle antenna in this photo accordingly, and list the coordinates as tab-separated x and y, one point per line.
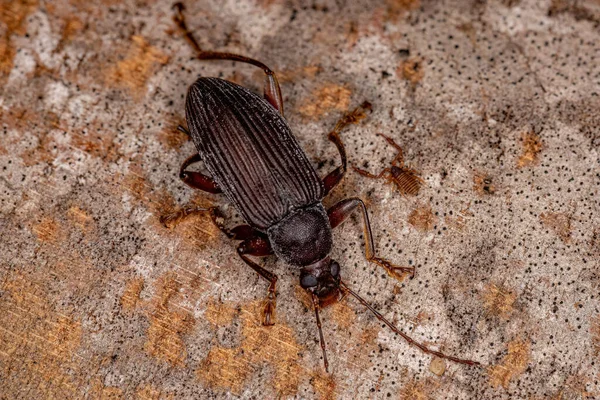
410	340
315	300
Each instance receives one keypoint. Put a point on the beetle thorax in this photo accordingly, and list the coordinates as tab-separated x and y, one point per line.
303	237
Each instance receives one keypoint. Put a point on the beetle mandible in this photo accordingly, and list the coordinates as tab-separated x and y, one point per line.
254	159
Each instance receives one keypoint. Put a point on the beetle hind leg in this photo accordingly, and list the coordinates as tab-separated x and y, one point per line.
272	91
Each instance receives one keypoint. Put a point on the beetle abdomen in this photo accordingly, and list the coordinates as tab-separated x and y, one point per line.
250	151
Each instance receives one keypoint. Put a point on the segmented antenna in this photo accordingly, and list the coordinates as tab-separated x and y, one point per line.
411	341
315	300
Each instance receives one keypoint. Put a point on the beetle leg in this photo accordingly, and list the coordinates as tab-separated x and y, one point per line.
260	246
342	210
272	91
197	180
335	176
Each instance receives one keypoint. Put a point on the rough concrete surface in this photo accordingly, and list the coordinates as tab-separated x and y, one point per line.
495	104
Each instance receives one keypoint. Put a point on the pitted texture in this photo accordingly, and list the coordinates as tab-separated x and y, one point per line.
495	105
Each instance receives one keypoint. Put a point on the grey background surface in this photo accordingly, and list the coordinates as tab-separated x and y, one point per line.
495	104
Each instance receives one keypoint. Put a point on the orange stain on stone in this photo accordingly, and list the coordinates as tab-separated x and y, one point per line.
498	301
276	346
324	385
48	230
325	99
168	324
560	223
37	343
398	8
512	365
411	70
80	219
131	294
422	218
418	390
532	146
13	14
595	333
342	315
220	314
135	69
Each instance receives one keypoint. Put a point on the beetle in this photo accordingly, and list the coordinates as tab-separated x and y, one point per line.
406	179
255	160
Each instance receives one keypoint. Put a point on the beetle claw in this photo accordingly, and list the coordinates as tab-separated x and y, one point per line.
269	311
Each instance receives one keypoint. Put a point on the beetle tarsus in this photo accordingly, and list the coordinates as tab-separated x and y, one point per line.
269	305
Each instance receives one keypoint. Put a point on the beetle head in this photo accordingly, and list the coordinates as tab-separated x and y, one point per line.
322	279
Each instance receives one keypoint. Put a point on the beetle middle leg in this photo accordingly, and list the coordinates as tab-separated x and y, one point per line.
342	210
260	246
334	177
272	91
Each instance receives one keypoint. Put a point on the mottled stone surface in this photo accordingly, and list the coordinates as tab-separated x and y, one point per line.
495	104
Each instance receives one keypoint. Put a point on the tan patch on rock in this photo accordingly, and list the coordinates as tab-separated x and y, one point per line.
324	385
397	9
131	294
220	314
560	223
422	218
223	368
168	324
48	230
275	346
149	392
531	148
483	184
512	365
595	334
103	392
411	70
38	345
7	56
170	136
419	390
498	301
135	69
342	315
325	99
80	218
13	14
97	141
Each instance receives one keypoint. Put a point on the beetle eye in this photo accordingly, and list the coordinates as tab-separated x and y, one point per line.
335	269
308	281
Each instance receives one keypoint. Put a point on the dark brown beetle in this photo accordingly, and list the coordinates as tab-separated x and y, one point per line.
254	159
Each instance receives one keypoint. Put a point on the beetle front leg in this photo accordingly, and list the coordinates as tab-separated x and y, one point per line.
334	177
342	210
260	246
197	180
272	91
